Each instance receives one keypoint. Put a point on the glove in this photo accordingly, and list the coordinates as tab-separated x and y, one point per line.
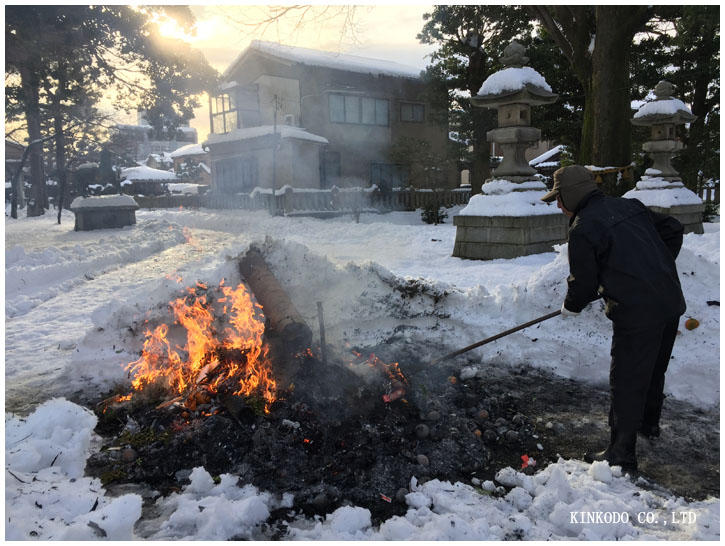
566	313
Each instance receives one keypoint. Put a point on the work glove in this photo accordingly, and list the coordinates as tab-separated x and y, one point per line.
566	313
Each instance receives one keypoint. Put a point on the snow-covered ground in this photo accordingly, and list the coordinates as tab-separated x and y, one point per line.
75	302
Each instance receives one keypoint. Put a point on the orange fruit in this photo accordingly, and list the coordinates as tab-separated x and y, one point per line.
691	323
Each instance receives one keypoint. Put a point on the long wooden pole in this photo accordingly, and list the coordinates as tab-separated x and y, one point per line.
497	336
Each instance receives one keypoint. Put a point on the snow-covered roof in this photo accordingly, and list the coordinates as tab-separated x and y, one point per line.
286	131
189	149
329	59
103	201
185	129
88	165
667	107
512	79
547	155
146	173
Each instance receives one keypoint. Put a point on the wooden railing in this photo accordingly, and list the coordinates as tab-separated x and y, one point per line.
710	194
316	202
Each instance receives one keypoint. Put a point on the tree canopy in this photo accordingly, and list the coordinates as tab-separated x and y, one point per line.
598	59
62	60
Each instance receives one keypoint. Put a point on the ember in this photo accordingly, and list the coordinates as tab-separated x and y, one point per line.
223	349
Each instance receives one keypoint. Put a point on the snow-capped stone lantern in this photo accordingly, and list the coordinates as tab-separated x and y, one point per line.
508	219
661	187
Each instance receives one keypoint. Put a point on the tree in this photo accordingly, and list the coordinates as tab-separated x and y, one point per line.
597	41
65	57
471	38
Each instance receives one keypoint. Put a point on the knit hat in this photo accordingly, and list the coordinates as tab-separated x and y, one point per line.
572	184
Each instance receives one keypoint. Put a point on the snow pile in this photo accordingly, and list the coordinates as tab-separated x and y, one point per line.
501	186
666	107
550	505
512	79
207	510
104	201
46	495
513	203
657	192
285	131
143	172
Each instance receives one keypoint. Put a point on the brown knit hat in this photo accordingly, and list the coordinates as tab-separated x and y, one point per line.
572	183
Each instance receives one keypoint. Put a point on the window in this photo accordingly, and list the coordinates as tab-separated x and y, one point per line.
236	175
412	112
358	110
224	114
388	176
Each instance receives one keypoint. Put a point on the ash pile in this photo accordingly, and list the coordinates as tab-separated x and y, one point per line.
330	428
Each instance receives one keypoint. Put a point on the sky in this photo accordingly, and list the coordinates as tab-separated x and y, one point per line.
376	31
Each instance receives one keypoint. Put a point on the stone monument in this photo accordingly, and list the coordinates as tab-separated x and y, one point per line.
508	219
661	188
104	212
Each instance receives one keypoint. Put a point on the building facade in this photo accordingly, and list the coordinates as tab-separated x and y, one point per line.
315	119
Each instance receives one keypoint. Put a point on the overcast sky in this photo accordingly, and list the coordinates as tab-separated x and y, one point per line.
382	32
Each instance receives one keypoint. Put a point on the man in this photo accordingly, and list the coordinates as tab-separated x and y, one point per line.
621	251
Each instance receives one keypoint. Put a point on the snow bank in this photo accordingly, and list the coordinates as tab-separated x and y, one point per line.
546	506
512	79
46	495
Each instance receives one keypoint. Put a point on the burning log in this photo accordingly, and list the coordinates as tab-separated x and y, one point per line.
291	334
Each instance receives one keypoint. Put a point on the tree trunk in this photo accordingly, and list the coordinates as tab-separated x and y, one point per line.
38	196
59	156
610	111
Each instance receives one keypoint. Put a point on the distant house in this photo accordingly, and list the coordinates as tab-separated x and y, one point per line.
336	119
191	162
143	180
138	142
549	161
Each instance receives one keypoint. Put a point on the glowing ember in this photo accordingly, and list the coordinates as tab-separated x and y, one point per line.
227	353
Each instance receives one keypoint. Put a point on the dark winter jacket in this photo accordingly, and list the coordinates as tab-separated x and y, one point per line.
622	251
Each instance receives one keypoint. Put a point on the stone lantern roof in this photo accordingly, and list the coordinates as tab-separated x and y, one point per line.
515	84
664	109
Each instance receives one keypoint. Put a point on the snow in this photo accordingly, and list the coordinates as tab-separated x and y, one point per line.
657	192
665	107
189	149
103	201
285	131
540	160
512	79
499	198
184	187
71	298
329	59
143	172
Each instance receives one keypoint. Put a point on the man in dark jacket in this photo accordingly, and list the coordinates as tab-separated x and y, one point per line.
623	252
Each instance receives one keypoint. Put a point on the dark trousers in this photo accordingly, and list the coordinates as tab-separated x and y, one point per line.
637	376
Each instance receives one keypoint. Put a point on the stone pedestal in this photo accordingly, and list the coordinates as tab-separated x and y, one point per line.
690	216
491	237
104	212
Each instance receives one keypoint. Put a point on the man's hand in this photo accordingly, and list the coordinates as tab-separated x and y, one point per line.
566	313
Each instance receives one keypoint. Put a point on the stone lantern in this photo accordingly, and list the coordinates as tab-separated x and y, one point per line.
661	188
508	219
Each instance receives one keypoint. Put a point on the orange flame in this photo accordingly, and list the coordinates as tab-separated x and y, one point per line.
235	357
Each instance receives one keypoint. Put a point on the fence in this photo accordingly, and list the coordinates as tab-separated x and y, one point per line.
710	194
316	202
